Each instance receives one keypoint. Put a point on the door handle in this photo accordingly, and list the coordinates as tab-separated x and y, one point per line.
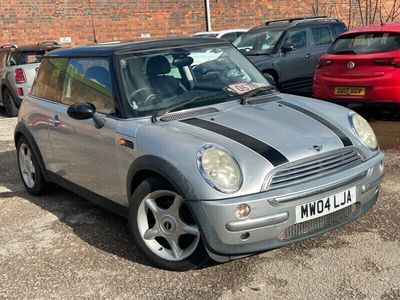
56	121
308	55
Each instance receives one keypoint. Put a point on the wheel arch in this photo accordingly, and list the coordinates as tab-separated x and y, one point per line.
150	165
22	130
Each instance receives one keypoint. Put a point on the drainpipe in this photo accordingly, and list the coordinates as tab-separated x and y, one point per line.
208	15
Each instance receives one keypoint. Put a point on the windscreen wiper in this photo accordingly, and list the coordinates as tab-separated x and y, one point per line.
183	104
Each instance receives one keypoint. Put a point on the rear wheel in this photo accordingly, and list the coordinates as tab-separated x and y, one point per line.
29	169
163	227
9	104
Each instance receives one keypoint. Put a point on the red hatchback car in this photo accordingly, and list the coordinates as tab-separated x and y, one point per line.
361	66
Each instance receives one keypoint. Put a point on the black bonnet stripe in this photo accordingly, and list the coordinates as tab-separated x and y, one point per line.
342	136
271	154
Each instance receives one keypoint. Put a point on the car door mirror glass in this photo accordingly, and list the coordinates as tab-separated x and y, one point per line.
288	48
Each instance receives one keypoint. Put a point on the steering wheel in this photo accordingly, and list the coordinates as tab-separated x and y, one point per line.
144	96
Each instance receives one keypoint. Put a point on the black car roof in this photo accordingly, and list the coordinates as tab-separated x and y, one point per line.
296	22
143	45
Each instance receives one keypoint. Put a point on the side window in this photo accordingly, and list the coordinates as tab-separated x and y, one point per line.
88	80
321	35
230	37
337	29
49	81
298	38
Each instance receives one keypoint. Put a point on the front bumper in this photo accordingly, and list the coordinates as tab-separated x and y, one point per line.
225	235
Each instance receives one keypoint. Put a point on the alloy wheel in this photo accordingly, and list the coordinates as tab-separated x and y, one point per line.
166	226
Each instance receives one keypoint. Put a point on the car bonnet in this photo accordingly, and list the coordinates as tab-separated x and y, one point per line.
279	131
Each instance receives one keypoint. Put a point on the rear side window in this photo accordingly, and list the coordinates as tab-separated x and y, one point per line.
30	57
321	35
366	43
88	80
337	28
49	81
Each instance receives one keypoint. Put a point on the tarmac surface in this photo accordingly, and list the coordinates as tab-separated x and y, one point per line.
62	246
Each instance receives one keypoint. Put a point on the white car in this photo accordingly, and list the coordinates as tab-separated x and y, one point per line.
229	34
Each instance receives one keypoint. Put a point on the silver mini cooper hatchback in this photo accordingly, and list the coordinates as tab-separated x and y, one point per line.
189	142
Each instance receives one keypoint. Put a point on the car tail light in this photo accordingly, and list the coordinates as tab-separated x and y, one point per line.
394	61
323	63
20	92
19	75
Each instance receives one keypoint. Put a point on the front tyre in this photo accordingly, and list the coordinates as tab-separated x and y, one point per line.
163	227
29	169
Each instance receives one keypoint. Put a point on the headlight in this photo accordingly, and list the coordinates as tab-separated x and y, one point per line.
219	169
364	131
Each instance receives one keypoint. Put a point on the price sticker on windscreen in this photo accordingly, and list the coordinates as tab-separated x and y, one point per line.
243	88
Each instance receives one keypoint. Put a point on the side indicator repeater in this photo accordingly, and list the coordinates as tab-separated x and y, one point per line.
124	142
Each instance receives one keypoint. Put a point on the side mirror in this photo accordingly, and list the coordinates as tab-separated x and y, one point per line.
288	48
84	111
81	111
270	79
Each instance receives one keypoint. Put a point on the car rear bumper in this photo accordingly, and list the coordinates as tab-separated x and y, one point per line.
377	90
272	222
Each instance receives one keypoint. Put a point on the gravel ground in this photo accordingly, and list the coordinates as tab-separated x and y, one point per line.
62	246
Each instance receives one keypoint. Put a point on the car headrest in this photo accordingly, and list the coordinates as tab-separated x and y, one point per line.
100	74
158	65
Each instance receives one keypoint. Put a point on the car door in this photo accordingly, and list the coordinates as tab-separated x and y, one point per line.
296	67
83	154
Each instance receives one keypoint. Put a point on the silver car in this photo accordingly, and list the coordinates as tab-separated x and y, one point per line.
205	160
18	66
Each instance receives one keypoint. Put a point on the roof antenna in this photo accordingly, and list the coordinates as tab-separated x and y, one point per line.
93	27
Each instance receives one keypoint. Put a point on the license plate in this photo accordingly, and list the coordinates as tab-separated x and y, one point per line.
322	207
349	91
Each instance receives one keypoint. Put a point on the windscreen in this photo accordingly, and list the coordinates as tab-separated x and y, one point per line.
162	79
366	43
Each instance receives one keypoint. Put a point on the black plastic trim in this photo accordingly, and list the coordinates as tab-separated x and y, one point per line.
163	168
275	157
106	203
22	129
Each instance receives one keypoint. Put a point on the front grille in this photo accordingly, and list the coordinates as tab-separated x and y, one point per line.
314	225
319	166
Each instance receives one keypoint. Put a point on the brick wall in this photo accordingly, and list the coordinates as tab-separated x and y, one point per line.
28	21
